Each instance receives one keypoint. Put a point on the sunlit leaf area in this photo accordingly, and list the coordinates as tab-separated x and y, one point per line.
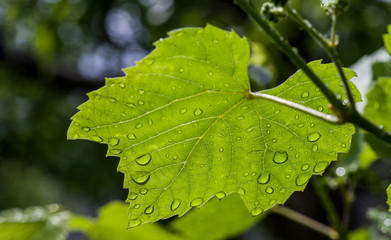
140	119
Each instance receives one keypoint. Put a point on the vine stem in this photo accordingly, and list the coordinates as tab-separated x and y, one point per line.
304	220
313	112
345	113
329	45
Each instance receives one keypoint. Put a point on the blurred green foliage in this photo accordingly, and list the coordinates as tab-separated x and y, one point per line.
54	51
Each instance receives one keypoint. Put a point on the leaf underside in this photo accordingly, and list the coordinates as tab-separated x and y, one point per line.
186	128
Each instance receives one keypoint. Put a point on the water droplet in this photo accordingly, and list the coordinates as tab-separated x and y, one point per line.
300	125
312	125
115	151
113	141
320	109
241	191
149	210
131	105
210	74
274	140
246	174
181	70
343	145
297	117
221	149
183	110
268	132
305	94
315	148
253	174
272	202
175	157
287	176
137	206
220	195
264	177
75	136
134	222
113	100
313	137
143	191
282	190
131	136
240	118
269	190
303	179
297	155
149	61
86	129
280	157
175	204
268	125
250	129
132	196
317	89
320	167
139	125
198	111
144	159
305	167
96	139
123	114
196	202
277	112
256	211
142	180
141	102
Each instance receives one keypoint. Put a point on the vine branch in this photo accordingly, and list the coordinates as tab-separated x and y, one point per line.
304	220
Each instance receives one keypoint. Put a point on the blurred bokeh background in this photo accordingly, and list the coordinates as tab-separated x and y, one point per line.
52	52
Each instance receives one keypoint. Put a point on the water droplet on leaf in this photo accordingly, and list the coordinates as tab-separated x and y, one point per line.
196	202
96	139
175	204
149	210
269	190
140	102
256	211
320	167
131	136
143	191
134	222
313	137
113	141
315	148
220	195
139	125
305	167
142	180
198	111
86	129
241	191
305	94
144	159
183	110
280	157
264	177
303	179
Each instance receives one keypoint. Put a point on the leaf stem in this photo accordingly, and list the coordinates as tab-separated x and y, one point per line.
329	45
327	203
290	51
304	220
313	112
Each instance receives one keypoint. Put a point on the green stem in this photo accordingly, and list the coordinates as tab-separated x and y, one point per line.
313	112
327	203
290	52
345	113
305	221
329	45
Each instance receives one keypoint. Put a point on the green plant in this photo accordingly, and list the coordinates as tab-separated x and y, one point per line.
188	128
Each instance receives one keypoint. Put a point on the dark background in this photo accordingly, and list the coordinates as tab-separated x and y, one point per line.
52	52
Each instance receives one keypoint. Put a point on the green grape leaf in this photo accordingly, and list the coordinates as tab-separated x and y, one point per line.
222	219
187	127
387	39
111	224
378	110
389	197
34	223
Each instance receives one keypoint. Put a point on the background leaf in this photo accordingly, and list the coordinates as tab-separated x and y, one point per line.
387	40
216	220
34	223
187	127
389	197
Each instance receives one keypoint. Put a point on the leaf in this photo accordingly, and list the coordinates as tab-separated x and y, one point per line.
34	223
378	110
216	220
111	224
387	39
389	197
188	128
